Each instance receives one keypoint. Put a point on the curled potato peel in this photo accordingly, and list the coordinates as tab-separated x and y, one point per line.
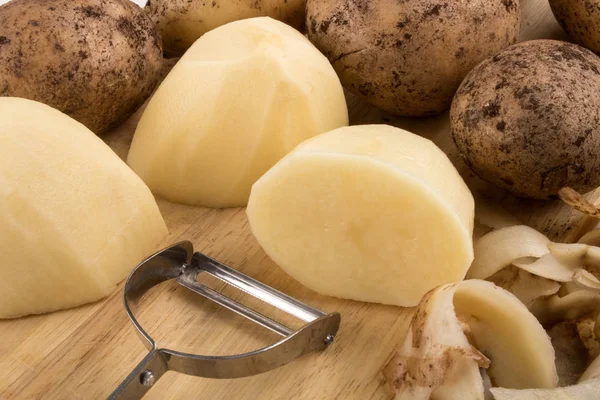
460	328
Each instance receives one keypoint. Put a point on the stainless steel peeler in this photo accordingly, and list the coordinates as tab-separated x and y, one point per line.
179	262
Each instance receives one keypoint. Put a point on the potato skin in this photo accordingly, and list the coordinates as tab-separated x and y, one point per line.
528	118
408	57
181	22
580	19
95	60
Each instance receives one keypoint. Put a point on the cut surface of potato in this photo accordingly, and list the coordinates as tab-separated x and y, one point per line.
370	213
501	327
75	220
243	96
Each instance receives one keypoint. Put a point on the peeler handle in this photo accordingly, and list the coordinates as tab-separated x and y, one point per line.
142	378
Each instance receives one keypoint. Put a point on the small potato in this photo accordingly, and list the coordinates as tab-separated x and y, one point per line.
94	60
528	118
580	19
181	22
408	57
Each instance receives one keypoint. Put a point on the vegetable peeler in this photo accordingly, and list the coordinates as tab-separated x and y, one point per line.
179	262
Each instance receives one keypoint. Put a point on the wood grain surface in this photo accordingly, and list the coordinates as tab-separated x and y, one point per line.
83	353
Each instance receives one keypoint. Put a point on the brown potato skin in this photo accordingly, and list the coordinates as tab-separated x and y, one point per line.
580	19
408	57
181	22
528	119
95	60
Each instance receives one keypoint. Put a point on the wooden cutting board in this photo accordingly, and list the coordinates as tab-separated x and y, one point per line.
85	352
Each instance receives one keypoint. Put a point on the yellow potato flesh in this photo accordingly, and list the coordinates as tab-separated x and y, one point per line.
520	352
242	97
369	213
74	219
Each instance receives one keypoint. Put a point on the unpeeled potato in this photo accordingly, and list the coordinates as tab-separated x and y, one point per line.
181	22
370	213
96	61
527	119
408	57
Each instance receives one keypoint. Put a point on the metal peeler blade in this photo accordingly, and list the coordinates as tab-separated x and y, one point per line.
179	262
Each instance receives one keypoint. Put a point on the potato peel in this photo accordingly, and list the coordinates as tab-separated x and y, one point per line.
453	329
585	328
547	267
533	252
500	248
586	281
431	358
524	285
558	284
572	198
571	306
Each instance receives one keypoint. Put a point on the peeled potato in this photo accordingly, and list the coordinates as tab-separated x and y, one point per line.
580	19
370	213
242	97
74	219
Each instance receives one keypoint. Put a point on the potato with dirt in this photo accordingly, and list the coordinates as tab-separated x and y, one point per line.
409	57
94	60
528	119
181	22
580	19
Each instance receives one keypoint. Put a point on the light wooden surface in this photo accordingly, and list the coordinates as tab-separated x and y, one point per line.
84	353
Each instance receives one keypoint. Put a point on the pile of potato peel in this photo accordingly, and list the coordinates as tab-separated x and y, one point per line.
554	285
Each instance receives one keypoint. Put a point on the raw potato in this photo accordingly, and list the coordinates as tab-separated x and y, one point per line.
75	220
181	22
95	60
370	213
580	19
527	119
458	329
240	99
408	57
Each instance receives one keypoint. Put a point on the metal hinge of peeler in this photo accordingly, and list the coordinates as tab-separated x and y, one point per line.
179	262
